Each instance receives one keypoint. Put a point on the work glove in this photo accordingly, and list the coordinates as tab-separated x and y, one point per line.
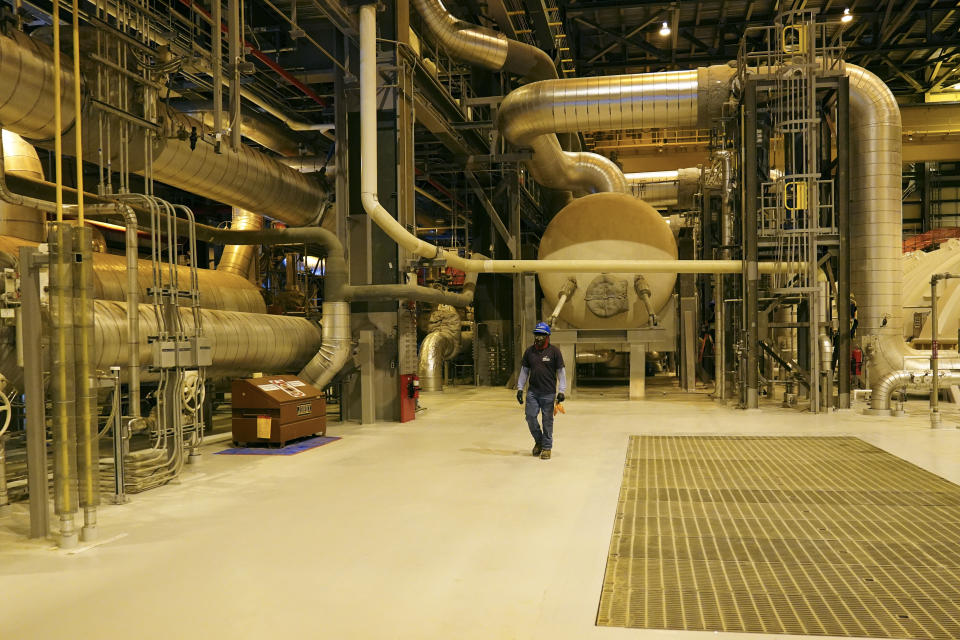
560	397
520	396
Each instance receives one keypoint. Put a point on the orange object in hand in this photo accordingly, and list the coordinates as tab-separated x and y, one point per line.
558	408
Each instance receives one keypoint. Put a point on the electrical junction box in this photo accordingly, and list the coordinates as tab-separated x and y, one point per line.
276	409
188	353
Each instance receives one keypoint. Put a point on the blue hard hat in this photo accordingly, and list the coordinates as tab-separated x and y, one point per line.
542	327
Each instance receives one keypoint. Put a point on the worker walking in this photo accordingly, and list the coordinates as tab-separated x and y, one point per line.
542	364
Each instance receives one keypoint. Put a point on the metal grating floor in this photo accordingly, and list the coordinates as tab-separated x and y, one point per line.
795	535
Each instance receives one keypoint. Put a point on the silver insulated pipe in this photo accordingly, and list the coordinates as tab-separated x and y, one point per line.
243	178
493	50
876	227
532	114
441	343
336	347
240	342
484	47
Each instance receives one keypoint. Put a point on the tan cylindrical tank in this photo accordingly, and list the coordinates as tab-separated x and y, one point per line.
607	226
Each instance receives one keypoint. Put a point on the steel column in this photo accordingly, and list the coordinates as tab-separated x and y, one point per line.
843	223
36	421
751	276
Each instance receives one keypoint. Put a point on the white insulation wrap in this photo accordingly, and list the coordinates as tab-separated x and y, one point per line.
240	342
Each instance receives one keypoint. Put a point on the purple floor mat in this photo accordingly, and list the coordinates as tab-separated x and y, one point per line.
289	450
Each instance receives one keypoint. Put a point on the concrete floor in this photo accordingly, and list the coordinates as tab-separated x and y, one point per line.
444	527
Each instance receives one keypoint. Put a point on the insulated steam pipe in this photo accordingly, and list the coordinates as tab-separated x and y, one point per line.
336	346
239	342
493	50
389	224
133	306
532	114
242	177
484	47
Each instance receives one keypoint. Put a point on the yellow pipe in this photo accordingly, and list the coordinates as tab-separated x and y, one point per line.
65	499
76	107
87	437
57	113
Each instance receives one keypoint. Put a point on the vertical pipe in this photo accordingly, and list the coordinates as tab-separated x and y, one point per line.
88	451
62	368
368	100
88	458
133	317
36	421
119	490
4	497
750	270
843	224
719	343
216	53
934	359
57	110
234	34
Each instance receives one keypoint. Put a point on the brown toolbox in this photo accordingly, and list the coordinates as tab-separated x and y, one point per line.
276	409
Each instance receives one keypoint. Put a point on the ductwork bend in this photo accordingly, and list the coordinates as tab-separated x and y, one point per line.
532	114
484	47
880	398
441	344
559	169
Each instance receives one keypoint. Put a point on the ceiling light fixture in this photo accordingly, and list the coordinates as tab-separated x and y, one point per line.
665	29
847	16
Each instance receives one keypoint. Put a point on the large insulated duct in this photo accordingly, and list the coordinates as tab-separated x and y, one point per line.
494	51
237	258
218	290
240	342
26	88
20	159
484	47
531	115
243	178
876	227
337	344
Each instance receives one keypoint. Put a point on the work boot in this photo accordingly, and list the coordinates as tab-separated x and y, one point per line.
536	449
545	454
